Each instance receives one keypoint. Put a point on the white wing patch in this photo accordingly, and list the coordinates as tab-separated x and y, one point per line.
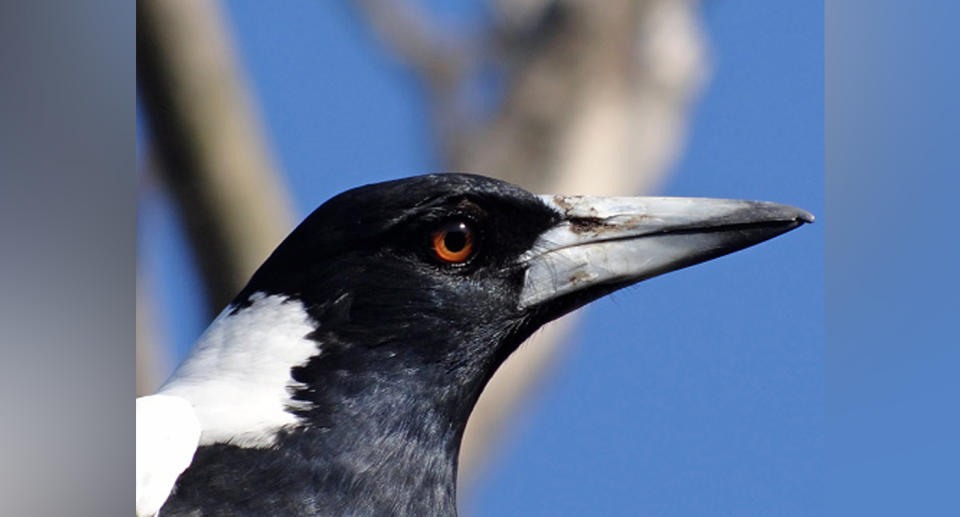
237	376
167	436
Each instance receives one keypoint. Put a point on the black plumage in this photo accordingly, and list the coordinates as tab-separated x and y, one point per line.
406	341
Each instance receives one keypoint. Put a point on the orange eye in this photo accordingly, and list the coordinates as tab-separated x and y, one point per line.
453	242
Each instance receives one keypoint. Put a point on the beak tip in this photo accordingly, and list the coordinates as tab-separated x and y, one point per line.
786	212
805	217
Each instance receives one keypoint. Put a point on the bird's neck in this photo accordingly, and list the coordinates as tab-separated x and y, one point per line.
400	448
344	432
389	450
387	423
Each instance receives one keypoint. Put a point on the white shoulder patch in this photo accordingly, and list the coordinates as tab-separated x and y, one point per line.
237	376
167	436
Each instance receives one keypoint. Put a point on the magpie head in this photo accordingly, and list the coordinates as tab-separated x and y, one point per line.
360	346
427	284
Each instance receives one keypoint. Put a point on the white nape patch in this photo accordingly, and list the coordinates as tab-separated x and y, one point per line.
238	374
167	437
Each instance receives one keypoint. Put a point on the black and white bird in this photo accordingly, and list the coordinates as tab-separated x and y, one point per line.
340	379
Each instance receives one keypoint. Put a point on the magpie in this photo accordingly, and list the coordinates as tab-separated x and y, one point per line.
340	379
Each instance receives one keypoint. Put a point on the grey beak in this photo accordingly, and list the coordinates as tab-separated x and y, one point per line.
617	241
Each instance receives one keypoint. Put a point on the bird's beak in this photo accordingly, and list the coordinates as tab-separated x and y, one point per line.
604	243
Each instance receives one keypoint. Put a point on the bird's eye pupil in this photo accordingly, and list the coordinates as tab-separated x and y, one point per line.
455	240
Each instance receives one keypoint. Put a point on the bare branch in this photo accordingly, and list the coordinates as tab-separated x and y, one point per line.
212	156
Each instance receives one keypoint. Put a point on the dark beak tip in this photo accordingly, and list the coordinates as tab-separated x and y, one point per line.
793	213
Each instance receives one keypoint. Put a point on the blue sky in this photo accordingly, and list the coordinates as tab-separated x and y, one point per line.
700	392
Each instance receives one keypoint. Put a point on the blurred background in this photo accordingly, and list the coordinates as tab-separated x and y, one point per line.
700	392
666	414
